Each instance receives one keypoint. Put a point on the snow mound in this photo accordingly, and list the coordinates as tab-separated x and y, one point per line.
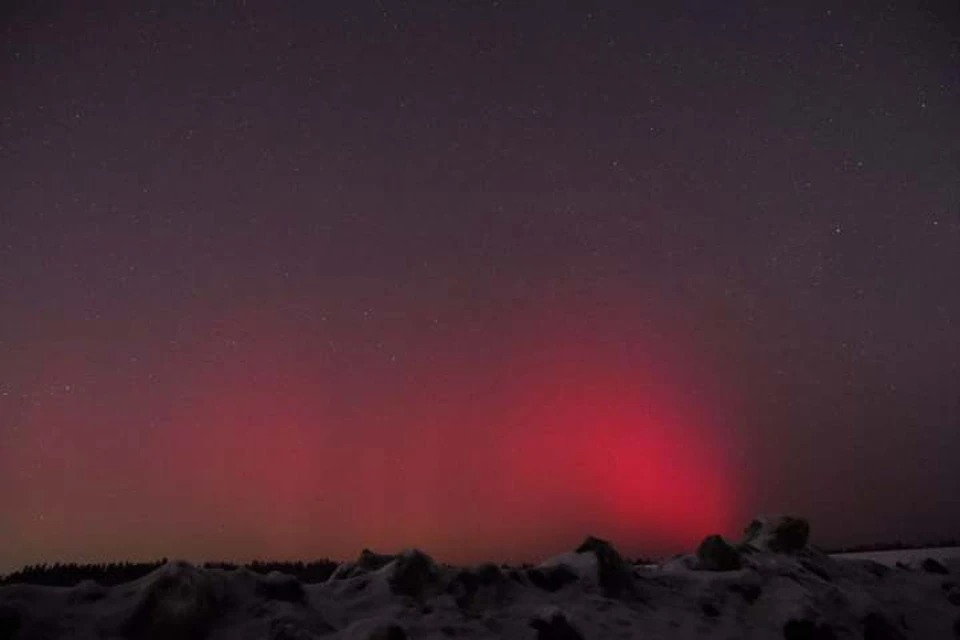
563	570
613	572
480	588
716	554
931	565
280	586
368	562
179	601
412	573
595	565
781	534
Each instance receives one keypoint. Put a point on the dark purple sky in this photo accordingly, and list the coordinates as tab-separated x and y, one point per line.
286	279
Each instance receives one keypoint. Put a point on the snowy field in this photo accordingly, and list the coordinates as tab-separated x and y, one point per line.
904	556
769	585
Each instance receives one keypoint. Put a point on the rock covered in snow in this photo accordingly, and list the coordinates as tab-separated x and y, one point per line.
367	562
933	566
488	573
953	595
373	561
780	534
552	577
412	573
613	573
716	554
680	562
479	587
595	564
180	601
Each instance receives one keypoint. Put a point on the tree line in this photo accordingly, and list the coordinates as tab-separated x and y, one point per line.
108	574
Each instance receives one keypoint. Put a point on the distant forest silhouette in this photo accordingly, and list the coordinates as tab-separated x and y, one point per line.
114	573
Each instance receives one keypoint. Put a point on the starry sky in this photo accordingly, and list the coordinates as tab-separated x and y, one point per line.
288	279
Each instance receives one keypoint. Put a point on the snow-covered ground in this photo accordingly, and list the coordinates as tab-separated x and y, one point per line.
904	556
767	586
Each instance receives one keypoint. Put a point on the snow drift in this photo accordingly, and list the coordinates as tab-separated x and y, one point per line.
771	584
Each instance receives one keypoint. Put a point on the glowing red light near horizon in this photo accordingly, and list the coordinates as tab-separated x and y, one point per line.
642	471
467	456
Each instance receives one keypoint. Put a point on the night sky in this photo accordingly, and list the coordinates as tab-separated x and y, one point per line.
289	279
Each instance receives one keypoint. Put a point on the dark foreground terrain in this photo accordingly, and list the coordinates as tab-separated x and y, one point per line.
772	584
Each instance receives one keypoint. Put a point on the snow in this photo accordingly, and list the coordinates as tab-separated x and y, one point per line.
905	556
773	595
583	565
